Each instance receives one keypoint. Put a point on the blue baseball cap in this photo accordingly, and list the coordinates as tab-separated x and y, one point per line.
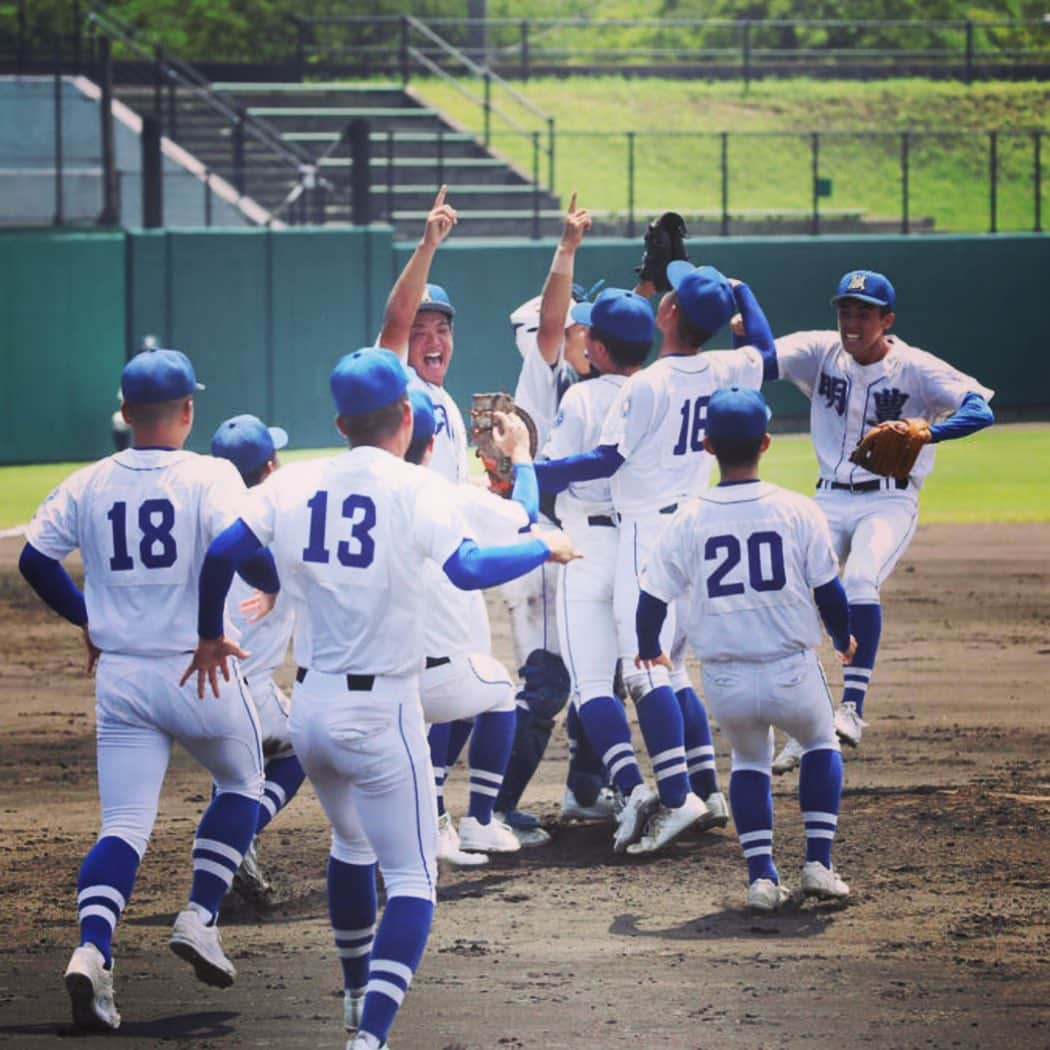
436	298
247	442
158	375
618	314
424	422
366	380
867	286
705	295
737	417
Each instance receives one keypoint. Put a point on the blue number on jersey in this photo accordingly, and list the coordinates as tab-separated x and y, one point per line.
361	531
158	549
691	436
756	571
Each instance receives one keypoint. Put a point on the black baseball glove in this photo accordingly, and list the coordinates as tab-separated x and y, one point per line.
664	242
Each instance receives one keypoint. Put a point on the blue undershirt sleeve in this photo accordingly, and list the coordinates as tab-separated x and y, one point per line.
231	547
757	332
555	475
53	584
972	415
526	490
260	571
648	619
834	611
471	567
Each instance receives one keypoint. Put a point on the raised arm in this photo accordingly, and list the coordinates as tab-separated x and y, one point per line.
407	293
557	289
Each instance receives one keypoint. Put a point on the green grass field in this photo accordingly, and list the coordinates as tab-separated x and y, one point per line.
988	477
948	173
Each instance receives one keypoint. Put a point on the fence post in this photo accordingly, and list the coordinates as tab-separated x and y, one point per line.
725	183
300	49
359	137
158	83
237	143
630	183
1037	178
20	67
487	106
109	216
77	37
535	185
173	124
993	181
905	158
525	49
152	175
550	154
968	72
403	48
59	217
390	176
816	170
746	56
207	197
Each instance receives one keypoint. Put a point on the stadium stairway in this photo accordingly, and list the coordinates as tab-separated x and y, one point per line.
414	149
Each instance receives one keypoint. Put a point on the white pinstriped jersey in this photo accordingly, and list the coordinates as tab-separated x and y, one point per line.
657	425
449	458
578	428
541	388
848	399
142	519
456	622
266	640
352	534
749	556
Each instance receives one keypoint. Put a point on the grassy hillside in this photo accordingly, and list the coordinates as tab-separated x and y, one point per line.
678	158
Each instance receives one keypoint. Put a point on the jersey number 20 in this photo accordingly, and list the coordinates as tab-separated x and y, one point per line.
761	580
359	509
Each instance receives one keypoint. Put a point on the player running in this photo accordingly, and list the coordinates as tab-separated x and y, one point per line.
856	378
749	559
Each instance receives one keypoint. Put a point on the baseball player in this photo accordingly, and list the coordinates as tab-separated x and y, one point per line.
351	535
858	377
652	448
461	680
262	625
750	560
142	519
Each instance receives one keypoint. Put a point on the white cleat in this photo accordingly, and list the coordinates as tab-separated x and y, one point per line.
666	824
366	1041
448	847
848	724
353	1007
639	806
602	809
526	828
823	883
493	837
90	987
789	758
717	815
764	896
201	947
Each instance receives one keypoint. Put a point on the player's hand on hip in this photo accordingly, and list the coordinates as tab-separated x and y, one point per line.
558	543
511	437
577	223
210	659
846	658
93	651
663	660
440	221
258	605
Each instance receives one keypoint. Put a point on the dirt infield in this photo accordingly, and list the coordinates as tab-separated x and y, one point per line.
944	838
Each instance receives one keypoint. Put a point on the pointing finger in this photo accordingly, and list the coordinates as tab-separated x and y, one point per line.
440	198
572	203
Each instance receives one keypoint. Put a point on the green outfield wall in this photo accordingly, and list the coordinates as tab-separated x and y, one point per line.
264	315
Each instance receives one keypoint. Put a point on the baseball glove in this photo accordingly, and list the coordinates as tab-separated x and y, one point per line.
891	448
664	242
498	466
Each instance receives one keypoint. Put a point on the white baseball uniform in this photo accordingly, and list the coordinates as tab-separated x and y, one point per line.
354	533
657	425
743	560
587	630
143	519
871	526
449	458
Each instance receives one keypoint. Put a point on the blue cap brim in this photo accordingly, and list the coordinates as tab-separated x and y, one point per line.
581	313
279	437
677	270
836	299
